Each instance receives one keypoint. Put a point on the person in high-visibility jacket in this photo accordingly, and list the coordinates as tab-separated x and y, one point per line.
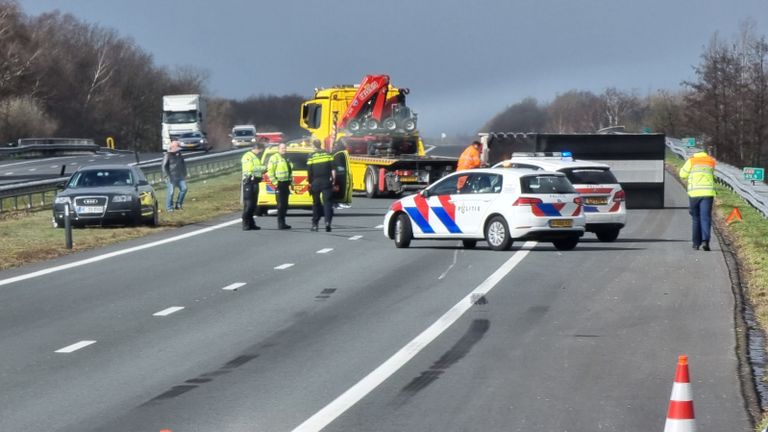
470	157
281	175
699	171
322	177
253	170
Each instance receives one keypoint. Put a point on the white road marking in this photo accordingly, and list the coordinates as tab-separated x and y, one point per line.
91	160
33	169
429	148
284	266
34	161
445	273
9	173
170	310
379	226
324	251
74	347
234	286
358	391
357	237
116	253
53	166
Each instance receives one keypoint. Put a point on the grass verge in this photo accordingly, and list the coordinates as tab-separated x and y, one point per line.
29	236
750	238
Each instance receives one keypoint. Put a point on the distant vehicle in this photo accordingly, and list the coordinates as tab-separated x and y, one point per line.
301	198
496	205
604	198
183	114
243	136
192	141
107	194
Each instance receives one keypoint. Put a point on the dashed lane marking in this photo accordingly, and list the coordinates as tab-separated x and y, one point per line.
357	237
284	266
324	251
234	286
75	346
379	226
168	311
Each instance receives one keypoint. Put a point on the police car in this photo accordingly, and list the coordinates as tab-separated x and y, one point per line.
495	205
604	198
301	198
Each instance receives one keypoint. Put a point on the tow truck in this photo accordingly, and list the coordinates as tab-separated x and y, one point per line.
379	131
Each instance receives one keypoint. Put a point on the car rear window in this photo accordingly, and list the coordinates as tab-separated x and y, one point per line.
590	176
545	184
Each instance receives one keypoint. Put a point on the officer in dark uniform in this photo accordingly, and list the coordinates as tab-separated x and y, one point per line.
322	177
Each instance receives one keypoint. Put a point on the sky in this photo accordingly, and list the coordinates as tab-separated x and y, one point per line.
464	61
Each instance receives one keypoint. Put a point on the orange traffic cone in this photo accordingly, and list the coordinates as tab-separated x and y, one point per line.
680	414
735	215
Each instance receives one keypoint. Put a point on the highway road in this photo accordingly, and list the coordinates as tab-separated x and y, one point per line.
209	328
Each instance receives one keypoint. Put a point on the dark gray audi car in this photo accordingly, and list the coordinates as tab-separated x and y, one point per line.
106	194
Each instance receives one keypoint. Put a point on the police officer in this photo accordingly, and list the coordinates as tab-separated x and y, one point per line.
253	170
281	174
699	170
322	177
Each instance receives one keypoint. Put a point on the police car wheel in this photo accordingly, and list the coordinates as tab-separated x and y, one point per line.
469	244
608	235
566	244
403	233
497	234
371	188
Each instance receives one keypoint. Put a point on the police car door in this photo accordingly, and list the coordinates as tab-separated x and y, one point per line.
434	213
342	190
474	200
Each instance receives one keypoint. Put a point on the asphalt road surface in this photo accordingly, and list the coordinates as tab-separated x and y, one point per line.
341	331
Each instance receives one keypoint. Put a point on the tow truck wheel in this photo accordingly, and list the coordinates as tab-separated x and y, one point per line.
608	235
403	233
390	124
371	182
497	234
354	125
566	244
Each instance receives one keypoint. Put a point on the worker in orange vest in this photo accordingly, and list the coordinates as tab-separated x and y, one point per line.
470	157
699	171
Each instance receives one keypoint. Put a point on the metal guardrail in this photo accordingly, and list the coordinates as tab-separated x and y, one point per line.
755	194
39	194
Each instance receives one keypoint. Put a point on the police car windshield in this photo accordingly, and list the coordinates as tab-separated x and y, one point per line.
545	184
590	176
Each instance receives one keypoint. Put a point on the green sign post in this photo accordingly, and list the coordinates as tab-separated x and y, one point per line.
753	174
689	142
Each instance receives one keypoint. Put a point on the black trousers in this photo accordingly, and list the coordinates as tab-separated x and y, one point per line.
322	206
250	198
282	193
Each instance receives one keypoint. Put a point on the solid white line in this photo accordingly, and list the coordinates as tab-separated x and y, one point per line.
115	253
74	347
284	266
170	310
355	393
357	237
234	286
323	251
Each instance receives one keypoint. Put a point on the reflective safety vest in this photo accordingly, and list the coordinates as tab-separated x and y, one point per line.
280	168
320	168
470	158
252	166
699	170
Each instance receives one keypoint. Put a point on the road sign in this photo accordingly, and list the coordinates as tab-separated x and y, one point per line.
755	174
689	142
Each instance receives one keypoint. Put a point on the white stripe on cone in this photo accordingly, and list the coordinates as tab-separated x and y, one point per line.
681	392
680	425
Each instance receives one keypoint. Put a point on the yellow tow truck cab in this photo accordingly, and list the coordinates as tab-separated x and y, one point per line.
297	152
384	161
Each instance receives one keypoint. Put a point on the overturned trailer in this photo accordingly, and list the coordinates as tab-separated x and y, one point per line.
637	160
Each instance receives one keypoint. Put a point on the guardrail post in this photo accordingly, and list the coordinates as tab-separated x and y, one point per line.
67	228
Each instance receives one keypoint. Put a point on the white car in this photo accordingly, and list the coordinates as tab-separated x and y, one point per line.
495	205
604	198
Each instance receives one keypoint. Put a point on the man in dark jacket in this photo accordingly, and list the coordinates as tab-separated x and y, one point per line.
175	174
322	176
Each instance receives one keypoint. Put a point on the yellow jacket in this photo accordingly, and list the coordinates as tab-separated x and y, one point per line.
699	170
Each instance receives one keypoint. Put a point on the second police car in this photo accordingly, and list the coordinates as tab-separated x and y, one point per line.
498	206
604	198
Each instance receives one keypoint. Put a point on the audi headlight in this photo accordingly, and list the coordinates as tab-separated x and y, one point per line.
122	198
61	200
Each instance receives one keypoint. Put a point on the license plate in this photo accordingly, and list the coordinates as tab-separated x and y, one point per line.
89	209
596	200
561	223
408	179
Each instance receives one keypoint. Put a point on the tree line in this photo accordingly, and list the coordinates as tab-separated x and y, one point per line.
62	77
725	107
